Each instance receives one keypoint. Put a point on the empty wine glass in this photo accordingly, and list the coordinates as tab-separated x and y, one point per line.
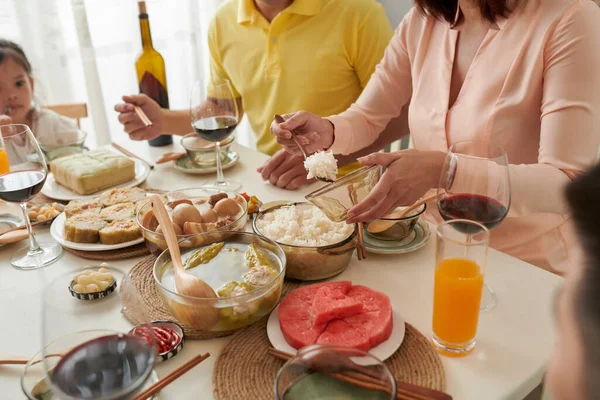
215	114
88	349
23	178
475	185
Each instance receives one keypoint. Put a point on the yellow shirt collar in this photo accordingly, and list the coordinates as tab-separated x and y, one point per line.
247	11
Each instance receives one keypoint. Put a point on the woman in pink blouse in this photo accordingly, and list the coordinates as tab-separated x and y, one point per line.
523	74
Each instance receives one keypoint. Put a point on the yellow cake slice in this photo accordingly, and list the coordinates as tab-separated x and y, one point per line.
124	195
93	171
120	231
83	228
118	211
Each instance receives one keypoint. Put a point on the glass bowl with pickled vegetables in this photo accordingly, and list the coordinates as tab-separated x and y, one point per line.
245	270
198	216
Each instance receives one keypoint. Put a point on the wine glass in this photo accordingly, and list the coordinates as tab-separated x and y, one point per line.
89	350
19	183
214	114
475	185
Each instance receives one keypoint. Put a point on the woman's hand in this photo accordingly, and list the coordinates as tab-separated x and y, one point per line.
314	133
133	125
285	171
409	175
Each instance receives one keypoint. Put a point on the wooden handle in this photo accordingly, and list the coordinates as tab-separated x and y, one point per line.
417	204
18	228
13	360
130	154
160	385
160	212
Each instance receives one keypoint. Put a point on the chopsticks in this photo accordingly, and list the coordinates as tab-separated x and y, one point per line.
142	116
366	379
130	154
163	382
361	253
18	228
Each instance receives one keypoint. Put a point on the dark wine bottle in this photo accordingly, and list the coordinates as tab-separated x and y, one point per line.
151	73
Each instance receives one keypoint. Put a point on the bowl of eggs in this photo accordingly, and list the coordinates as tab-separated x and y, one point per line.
199	216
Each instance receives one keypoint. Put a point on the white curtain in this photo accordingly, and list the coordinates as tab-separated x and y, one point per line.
85	51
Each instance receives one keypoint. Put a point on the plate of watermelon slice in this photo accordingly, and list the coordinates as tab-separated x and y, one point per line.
339	314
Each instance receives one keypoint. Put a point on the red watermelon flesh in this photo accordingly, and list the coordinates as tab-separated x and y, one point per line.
364	330
329	304
301	333
377	325
340	333
371	299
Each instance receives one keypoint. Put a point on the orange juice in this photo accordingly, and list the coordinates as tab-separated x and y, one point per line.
4	166
457	294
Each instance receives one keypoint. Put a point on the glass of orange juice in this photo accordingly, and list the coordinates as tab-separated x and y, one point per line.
4	165
459	272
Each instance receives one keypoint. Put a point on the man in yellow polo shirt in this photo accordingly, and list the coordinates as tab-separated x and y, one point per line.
281	56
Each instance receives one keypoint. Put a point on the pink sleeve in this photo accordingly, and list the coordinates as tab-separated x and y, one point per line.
570	119
570	126
388	90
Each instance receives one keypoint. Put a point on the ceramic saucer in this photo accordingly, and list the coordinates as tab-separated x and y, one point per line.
417	239
7	222
185	164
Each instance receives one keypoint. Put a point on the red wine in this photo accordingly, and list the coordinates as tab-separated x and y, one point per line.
482	209
215	129
21	186
103	367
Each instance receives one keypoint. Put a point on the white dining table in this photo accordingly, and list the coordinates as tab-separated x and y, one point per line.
514	340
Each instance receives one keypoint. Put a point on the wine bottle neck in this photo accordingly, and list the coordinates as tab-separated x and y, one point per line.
145	30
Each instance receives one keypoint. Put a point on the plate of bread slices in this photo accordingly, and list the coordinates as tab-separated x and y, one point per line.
105	222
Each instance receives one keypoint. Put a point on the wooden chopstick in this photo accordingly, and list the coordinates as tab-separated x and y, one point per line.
130	154
160	385
361	253
142	116
18	228
366	379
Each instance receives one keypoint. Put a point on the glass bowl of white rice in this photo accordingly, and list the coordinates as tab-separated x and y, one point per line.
315	247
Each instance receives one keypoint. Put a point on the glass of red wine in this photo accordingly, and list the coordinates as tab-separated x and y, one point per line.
23	178
88	350
215	114
475	185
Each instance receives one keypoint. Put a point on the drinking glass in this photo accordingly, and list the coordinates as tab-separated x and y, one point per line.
475	185
88	351
19	183
214	114
459	272
331	372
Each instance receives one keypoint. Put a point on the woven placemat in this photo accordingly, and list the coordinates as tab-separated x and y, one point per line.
141	276
244	369
111	255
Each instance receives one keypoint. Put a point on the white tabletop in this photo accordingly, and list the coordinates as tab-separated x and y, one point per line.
514	340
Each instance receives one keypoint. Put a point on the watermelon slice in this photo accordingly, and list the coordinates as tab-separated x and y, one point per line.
377	325
308	292
301	333
340	333
329	304
371	299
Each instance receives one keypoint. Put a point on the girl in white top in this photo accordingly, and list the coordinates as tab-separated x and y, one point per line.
17	104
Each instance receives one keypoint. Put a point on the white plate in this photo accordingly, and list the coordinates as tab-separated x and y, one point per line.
382	352
57	229
56	191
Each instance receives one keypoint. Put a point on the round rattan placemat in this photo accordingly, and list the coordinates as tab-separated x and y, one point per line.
142	278
119	254
244	369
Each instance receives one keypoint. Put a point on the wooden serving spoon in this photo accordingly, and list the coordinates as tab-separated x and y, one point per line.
279	119
200	313
381	225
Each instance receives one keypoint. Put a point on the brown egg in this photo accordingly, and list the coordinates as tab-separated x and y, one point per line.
185	213
176	228
227	207
209	215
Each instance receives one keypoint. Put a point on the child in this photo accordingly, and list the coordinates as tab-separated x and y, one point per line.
17	103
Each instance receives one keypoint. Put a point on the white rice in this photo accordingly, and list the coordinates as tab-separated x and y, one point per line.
321	165
300	226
